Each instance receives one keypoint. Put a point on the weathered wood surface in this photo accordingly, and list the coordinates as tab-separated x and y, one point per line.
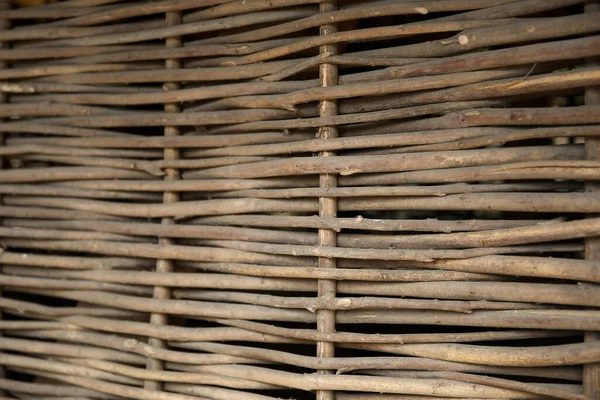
261	199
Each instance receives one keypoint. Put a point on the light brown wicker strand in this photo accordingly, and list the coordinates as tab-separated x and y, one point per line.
328	75
163	265
591	372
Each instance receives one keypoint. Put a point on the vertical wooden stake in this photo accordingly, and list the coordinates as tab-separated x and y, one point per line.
328	74
591	372
4	25
172	18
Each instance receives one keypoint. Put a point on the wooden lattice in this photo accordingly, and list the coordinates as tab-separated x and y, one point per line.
260	199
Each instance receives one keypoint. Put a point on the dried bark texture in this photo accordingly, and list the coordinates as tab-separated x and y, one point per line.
263	199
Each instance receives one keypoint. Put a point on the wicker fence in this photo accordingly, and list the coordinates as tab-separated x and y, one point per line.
260	199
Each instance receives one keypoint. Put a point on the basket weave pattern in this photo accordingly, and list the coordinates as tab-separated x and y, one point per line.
261	199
